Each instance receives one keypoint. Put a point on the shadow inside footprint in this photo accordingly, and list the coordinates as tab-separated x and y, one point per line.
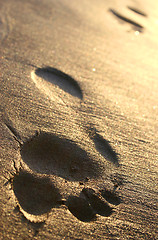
136	26
105	149
62	80
136	10
97	202
36	195
48	154
111	197
80	208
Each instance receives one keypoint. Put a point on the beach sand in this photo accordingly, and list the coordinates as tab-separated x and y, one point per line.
78	123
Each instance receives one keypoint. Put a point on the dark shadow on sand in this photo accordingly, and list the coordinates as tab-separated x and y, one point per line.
104	148
61	79
48	154
136	26
36	195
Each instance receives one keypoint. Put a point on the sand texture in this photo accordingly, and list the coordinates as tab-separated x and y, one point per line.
78	119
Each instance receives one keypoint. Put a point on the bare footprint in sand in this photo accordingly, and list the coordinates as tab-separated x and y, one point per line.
135	25
88	204
48	78
49	155
36	194
103	147
46	153
138	11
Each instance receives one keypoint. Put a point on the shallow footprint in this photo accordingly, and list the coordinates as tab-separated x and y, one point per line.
136	26
59	78
104	148
136	10
80	208
97	202
48	154
36	195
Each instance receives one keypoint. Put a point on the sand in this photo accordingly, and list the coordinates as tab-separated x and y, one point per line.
78	123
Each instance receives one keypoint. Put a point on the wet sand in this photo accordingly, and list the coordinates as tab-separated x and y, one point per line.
78	119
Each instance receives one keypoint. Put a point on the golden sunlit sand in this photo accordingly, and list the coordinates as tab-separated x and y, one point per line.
78	129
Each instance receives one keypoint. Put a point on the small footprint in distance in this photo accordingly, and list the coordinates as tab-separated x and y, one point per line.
60	79
136	10
136	26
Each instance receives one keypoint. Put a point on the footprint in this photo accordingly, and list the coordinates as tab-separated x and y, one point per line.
88	204
111	197
54	76
80	208
104	147
97	202
48	154
137	11
36	195
136	26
